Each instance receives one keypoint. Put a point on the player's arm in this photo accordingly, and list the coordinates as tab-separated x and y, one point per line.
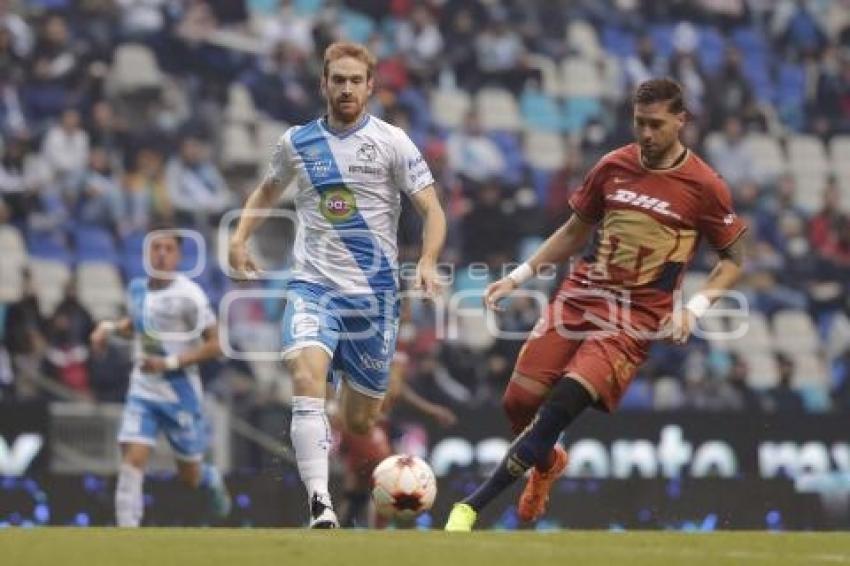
263	198
433	238
678	325
443	415
208	349
105	328
568	240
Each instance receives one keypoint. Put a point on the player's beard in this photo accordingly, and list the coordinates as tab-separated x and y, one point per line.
654	154
347	110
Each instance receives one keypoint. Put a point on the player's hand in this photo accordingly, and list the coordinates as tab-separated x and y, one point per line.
678	325
427	278
497	291
153	364
99	337
241	261
444	416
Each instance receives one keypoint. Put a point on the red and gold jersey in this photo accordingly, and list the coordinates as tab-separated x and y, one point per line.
650	223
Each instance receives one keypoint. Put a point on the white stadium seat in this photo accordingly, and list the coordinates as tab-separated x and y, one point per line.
581	77
135	69
497	109
810	371
100	289
756	339
49	278
763	371
794	333
583	39
768	158
449	107
549	73
543	150
238	147
240	105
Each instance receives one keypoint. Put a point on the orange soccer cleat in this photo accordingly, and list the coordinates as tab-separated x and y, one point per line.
535	496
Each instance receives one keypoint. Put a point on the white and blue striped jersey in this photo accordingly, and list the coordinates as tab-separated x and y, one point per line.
167	321
348	200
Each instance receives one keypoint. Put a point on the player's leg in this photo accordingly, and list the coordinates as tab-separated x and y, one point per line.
186	431
310	335
137	437
129	499
567	400
310	430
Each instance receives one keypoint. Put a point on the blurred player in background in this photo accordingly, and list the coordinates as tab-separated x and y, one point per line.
653	201
350	169
173	328
362	452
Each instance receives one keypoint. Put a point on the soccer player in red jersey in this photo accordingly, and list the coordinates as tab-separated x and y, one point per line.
650	202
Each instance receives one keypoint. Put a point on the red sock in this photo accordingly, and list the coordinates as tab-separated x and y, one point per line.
520	406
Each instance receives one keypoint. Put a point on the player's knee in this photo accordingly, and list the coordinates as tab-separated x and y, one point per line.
360	423
190	475
305	383
520	406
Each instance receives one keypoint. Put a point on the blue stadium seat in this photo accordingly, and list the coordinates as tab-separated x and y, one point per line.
94	244
466	283
618	41
43	245
578	111
540	111
540	180
132	266
711	49
791	94
815	399
133	243
662	39
508	143
356	26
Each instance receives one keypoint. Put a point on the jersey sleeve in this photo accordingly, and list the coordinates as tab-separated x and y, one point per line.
718	221
281	166
588	200
410	170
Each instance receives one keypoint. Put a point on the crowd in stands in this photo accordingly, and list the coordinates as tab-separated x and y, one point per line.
117	114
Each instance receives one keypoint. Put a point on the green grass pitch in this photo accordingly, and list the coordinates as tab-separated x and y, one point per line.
249	547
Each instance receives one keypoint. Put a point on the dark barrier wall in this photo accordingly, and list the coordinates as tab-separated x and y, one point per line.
24	446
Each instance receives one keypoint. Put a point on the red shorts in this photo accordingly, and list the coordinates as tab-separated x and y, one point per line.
564	342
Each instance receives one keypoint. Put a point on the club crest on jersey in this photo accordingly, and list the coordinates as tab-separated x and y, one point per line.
318	165
338	205
367	152
643	201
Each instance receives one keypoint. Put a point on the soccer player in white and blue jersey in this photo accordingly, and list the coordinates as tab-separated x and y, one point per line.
173	328
350	169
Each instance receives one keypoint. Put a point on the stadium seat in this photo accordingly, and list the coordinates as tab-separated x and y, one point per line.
13	258
135	69
543	150
548	71
768	158
540	112
100	289
94	244
757	339
763	372
472	329
48	246
618	41
581	77
794	333
810	372
578	111
815	399
238	148
806	153
356	27
809	193
668	394
49	278
133	243
711	49
839	154
583	39
662	39
497	110
240	106
449	107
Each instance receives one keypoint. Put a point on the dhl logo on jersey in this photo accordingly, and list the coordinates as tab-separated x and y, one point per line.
643	201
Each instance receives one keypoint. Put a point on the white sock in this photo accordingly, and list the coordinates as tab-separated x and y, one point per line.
129	504
311	438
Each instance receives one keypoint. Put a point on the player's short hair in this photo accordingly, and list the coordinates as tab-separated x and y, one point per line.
340	49
170	231
661	90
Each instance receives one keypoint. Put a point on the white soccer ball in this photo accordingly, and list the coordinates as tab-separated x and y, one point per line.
403	487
